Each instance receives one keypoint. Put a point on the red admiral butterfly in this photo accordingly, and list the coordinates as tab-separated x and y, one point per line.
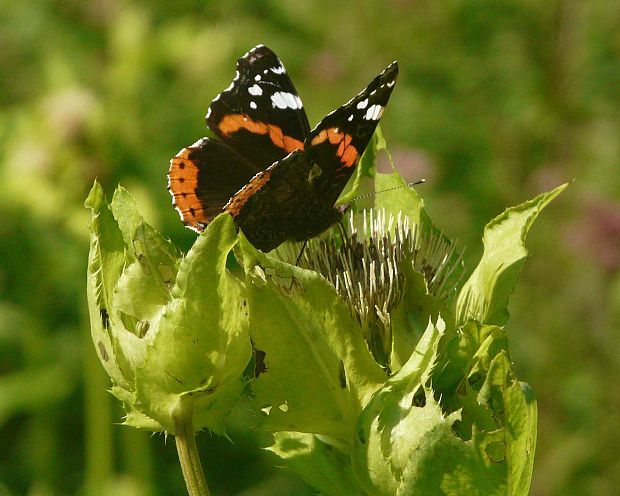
277	178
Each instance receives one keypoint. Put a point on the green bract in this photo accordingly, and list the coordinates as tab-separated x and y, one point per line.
171	331
439	412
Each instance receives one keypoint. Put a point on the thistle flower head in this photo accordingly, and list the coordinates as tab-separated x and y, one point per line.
366	264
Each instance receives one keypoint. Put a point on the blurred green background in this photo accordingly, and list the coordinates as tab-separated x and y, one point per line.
496	101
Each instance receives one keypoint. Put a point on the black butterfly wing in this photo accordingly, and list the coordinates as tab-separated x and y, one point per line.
260	114
259	118
294	198
339	140
203	177
280	204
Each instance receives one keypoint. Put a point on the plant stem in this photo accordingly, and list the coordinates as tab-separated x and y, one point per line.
188	455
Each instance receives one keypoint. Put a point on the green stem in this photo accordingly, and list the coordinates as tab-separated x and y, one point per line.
98	424
188	454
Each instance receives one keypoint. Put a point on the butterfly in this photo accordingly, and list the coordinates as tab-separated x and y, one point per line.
276	177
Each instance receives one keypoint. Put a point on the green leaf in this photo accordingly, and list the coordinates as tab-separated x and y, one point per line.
521	422
131	267
514	407
173	336
391	426
105	264
407	444
444	464
410	318
319	372
157	255
465	359
151	271
325	468
484	297
201	345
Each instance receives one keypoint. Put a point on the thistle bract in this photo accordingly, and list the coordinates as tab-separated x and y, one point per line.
440	411
171	331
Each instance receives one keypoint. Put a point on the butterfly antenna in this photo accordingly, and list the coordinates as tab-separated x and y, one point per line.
408	185
301	252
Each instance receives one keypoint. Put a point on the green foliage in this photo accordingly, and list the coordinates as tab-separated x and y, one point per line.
167	339
319	370
485	296
174	334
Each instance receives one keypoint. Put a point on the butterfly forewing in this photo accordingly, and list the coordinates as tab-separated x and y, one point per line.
338	141
260	114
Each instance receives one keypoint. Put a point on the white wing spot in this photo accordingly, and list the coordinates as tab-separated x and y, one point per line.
350	118
253	105
336	130
374	113
255	90
278	70
208	112
265	71
284	100
362	104
373	92
230	86
391	83
257	77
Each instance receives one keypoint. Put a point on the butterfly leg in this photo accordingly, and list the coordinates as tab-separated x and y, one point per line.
301	252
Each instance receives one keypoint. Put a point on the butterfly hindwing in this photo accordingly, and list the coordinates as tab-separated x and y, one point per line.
203	177
281	203
260	114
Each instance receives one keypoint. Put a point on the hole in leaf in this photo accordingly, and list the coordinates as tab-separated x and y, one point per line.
476	380
103	352
342	375
360	436
496	451
142	327
462	430
260	365
133	324
283	407
167	274
267	409
105	318
140	251
419	398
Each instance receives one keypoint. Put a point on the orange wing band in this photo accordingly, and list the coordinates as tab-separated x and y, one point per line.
236	203
232	123
182	182
347	153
